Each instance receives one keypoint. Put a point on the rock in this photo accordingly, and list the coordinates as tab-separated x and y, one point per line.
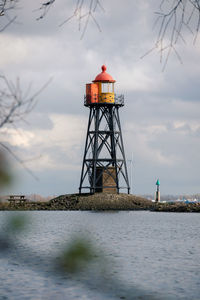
101	201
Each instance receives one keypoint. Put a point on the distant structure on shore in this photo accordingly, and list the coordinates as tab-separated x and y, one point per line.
157	198
104	165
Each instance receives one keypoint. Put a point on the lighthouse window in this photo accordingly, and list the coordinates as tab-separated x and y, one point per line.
107	87
104	88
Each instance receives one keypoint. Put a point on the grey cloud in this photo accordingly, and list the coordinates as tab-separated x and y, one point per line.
36	121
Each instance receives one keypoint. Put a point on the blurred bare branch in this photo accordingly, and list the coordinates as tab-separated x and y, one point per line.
15	105
84	11
45	8
8	149
173	18
5	7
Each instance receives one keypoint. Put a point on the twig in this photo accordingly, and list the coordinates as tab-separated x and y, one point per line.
45	8
173	18
19	160
14	107
84	10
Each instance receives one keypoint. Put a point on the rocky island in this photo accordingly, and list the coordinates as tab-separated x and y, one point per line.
102	202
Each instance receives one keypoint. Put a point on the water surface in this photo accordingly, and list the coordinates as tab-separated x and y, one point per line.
156	253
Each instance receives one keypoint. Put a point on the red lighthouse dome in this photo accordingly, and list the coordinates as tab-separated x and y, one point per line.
103	76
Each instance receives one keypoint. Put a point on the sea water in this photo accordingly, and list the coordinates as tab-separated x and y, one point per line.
149	255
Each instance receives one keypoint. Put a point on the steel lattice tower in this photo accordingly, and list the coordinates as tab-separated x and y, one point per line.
104	165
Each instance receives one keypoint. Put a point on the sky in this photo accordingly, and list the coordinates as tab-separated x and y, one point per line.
160	119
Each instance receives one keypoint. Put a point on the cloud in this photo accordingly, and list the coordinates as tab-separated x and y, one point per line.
57	147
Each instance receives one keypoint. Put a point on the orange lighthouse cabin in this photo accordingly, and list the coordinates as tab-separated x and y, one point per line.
101	90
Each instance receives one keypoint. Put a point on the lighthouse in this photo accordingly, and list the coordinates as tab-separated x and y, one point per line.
104	166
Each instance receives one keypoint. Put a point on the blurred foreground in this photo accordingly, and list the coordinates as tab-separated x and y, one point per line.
75	262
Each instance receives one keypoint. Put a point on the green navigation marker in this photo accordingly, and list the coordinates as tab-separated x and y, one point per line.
157	199
158	182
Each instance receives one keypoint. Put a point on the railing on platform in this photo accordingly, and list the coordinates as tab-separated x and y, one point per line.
118	100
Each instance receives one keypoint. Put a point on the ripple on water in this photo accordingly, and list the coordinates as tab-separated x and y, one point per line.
157	252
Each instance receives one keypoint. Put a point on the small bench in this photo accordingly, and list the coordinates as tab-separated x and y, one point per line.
17	199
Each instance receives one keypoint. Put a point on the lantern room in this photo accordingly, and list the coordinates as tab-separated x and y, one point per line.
101	90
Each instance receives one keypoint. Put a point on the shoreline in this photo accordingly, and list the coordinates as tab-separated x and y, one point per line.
101	202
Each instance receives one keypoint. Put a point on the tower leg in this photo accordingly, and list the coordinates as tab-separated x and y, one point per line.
113	144
121	145
83	175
